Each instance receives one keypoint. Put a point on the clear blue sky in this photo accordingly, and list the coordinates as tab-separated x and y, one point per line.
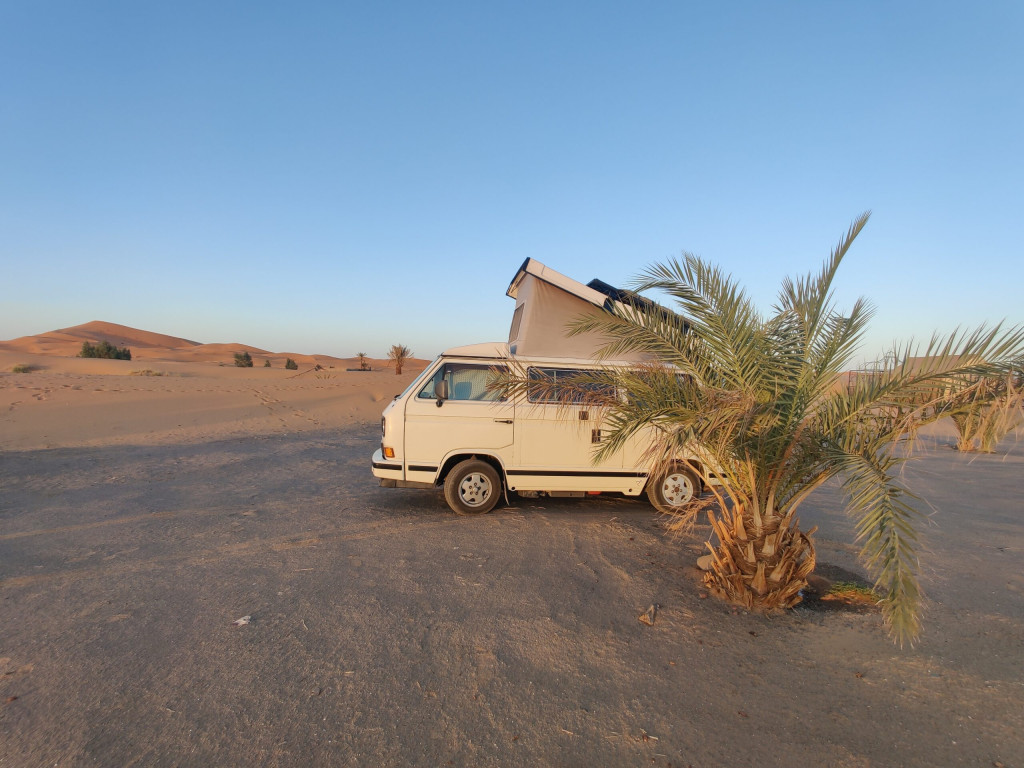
337	177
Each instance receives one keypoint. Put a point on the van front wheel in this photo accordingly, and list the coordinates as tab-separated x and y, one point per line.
472	487
673	490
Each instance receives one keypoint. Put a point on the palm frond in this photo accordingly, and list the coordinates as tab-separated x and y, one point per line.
886	527
719	313
661	335
810	296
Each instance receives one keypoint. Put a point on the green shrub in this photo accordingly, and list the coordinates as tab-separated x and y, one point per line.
22	368
291	365
105	350
266	363
243	359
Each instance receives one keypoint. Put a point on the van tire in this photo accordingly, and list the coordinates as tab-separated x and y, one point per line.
675	489
472	487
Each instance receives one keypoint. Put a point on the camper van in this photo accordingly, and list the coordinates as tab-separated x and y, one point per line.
448	430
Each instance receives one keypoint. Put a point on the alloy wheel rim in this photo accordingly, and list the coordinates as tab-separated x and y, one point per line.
475	489
677	489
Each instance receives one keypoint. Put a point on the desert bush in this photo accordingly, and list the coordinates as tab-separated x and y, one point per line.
22	368
364	363
147	372
266	363
243	359
105	350
291	365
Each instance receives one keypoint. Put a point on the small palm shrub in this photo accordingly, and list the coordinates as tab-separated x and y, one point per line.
291	365
364	364
105	350
986	411
398	354
266	363
243	359
22	368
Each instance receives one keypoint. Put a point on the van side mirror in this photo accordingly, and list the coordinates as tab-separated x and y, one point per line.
441	392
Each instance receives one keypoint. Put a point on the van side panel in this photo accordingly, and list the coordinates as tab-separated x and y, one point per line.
629	483
555	447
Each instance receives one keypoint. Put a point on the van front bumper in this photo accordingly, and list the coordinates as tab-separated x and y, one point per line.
390	474
385	469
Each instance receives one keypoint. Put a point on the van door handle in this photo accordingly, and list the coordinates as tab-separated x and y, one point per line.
503	421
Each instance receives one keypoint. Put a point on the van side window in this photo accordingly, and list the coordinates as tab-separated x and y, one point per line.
465	382
517	321
552	385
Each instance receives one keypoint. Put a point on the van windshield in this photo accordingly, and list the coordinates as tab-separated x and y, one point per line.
466	381
415	382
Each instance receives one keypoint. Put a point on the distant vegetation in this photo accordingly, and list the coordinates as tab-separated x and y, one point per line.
364	363
22	368
105	350
986	410
398	354
243	359
148	372
266	363
291	365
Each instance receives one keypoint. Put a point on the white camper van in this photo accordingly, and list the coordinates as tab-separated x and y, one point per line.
447	430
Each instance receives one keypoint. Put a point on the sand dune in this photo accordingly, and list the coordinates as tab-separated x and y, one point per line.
157	347
68	341
69	402
176	390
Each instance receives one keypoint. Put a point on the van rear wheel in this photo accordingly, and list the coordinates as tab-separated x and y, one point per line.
675	489
472	487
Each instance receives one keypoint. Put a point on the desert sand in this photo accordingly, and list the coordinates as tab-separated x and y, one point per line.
141	515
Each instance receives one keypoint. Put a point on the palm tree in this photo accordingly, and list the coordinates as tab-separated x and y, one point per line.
758	401
399	353
363	361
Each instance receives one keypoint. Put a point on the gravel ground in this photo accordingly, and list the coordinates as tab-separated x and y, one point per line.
383	630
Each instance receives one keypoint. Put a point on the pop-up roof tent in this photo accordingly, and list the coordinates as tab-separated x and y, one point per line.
547	302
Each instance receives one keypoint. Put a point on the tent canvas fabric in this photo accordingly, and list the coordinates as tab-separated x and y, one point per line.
547	303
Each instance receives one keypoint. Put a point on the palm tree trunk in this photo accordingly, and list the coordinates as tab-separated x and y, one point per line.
760	567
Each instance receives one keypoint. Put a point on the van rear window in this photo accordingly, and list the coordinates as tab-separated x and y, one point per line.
563	385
